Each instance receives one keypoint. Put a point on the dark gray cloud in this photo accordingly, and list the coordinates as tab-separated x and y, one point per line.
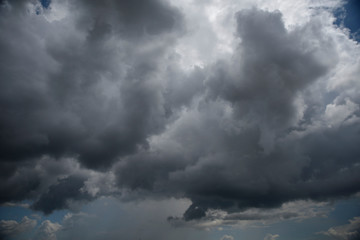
133	18
19	186
60	195
32	178
249	140
104	86
254	217
51	84
85	87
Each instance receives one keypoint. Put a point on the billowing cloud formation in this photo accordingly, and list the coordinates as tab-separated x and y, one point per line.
263	132
47	230
58	82
56	68
11	228
97	101
59	194
349	231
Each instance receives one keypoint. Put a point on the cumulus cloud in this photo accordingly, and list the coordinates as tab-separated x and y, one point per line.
227	237
256	138
350	231
11	228
98	99
47	230
86	67
71	219
271	236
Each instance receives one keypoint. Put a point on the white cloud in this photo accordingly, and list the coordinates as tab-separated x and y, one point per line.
270	236
227	237
14	204
350	231
47	230
345	113
11	227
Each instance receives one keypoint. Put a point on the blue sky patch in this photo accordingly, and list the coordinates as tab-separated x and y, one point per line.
349	17
45	3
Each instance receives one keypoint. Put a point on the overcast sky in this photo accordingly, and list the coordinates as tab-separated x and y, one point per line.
173	120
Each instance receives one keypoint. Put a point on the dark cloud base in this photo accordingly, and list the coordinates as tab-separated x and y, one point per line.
109	93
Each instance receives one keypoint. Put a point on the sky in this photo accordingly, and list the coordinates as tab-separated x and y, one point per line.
173	120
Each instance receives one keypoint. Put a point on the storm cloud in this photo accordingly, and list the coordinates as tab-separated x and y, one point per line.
97	101
253	138
66	72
